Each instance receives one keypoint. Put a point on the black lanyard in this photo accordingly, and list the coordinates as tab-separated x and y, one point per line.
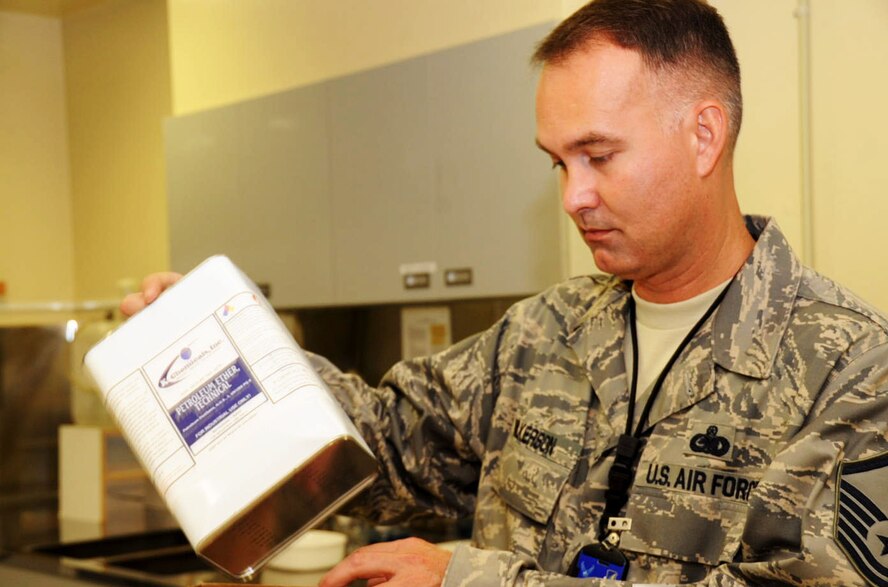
622	472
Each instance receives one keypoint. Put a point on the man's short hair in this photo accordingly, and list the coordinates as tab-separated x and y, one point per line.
685	39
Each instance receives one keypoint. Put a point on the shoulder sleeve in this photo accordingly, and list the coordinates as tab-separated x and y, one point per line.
822	502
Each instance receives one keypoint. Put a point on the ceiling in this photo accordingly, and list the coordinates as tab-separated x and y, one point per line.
47	7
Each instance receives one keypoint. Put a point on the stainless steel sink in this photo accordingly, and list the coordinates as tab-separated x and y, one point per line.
153	558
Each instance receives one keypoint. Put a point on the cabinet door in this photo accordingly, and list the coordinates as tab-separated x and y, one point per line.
380	181
250	181
496	198
284	199
202	186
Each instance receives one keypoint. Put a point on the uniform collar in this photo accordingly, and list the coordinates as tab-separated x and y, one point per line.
597	339
753	317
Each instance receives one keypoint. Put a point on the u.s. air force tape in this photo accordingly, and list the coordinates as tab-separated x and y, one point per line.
697	480
861	525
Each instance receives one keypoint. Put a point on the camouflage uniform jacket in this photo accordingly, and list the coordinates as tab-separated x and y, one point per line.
737	482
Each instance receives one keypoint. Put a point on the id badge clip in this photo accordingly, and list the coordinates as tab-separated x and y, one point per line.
603	560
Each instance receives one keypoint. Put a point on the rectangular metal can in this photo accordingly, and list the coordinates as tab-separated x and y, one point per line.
239	434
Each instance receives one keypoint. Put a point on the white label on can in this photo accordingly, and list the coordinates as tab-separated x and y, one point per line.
203	384
206	382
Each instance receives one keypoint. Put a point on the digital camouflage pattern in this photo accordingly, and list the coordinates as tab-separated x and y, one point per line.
736	484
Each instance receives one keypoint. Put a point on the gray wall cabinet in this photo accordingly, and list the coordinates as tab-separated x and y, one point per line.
415	181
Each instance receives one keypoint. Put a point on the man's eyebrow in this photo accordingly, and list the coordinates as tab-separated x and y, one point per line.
592	138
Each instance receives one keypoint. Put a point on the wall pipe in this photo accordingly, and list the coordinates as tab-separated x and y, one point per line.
803	14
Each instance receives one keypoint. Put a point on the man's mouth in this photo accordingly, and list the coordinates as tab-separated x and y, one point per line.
595	235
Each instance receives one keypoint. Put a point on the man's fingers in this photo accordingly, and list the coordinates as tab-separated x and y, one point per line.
402	563
155	283
152	286
132	303
361	564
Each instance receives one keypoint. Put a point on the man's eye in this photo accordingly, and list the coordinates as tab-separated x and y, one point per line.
601	159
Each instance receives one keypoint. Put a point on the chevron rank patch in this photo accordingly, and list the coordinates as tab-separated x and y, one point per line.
861	528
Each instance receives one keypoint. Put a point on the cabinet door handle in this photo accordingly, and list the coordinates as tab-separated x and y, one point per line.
461	276
417	280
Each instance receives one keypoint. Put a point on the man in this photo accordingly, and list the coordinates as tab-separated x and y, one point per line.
714	414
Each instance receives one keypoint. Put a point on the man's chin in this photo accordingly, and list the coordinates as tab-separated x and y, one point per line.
607	263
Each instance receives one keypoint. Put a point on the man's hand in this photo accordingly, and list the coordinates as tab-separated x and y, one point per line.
152	286
401	563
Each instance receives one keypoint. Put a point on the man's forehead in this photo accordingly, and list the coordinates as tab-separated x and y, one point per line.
601	80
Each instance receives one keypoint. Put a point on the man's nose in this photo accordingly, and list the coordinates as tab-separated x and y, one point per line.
579	191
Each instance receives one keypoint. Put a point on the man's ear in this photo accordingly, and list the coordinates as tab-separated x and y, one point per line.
711	136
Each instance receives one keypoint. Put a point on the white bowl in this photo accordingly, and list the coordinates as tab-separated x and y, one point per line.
313	551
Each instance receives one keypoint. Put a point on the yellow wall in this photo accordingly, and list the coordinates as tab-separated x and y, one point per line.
850	139
118	93
36	259
230	50
766	163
